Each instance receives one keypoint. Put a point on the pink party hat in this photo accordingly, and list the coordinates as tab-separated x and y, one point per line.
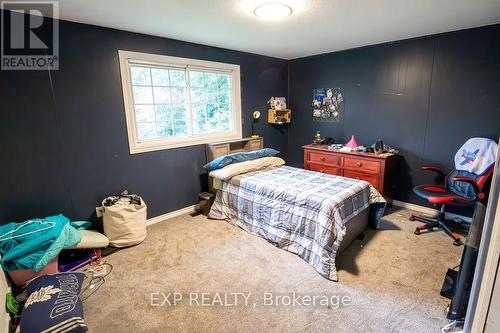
352	143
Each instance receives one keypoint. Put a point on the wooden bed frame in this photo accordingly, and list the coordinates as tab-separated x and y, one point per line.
218	149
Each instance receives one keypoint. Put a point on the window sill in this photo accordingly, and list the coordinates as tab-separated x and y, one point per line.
155	145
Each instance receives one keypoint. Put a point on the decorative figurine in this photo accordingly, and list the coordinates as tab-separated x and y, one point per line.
317	138
271	102
352	143
378	147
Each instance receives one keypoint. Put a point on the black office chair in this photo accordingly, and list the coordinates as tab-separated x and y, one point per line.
461	187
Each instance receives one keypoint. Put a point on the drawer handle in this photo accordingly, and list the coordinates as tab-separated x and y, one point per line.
322	158
359	164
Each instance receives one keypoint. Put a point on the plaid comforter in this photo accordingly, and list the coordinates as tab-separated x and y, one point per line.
301	211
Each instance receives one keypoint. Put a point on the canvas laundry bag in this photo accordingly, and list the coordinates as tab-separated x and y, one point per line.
124	220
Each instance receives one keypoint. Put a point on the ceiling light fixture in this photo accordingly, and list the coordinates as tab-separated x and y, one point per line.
273	11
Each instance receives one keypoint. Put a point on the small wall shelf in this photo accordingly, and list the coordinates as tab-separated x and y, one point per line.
279	117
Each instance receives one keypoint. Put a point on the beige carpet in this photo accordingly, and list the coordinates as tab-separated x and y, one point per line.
392	279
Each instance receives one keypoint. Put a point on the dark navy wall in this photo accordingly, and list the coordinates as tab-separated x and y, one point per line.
63	135
64	143
424	96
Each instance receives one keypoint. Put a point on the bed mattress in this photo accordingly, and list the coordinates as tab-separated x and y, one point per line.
301	211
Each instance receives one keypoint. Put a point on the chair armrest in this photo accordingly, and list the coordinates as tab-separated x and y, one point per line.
464	202
434	168
447	200
471	181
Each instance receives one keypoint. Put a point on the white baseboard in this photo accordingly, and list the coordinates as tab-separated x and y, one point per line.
418	208
163	217
428	210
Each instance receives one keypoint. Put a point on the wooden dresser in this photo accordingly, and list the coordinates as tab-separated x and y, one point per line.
375	169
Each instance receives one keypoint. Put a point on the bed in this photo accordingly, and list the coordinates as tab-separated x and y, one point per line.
311	214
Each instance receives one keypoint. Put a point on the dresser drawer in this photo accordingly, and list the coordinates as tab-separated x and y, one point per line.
324	158
324	169
372	179
361	164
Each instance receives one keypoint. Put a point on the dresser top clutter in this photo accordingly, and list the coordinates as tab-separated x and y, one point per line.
354	153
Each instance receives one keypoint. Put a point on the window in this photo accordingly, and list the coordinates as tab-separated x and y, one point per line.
174	102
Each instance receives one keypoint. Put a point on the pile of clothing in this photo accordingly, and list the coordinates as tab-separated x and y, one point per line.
34	243
122	200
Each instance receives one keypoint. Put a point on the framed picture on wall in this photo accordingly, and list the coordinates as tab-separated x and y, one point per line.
279	103
327	104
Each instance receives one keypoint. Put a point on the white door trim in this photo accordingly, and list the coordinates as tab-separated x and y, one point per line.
487	261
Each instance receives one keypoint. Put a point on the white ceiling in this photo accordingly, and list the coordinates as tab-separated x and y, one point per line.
320	26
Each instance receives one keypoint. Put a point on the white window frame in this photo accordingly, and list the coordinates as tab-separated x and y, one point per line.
128	58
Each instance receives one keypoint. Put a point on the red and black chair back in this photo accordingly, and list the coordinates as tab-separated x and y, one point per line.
468	185
464	186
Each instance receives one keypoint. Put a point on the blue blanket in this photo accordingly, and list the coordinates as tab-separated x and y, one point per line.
33	244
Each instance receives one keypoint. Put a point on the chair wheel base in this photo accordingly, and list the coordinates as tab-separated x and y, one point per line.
435	224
